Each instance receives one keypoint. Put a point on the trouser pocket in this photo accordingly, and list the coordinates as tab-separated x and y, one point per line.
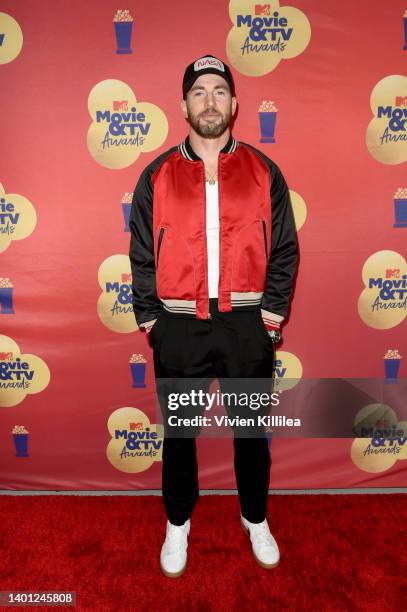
157	331
261	328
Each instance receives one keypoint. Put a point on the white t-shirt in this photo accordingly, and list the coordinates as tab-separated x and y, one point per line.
212	237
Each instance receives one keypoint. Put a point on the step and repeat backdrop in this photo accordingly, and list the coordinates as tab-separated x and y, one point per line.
90	95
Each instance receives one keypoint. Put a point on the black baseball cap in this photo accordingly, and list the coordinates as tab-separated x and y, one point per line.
208	64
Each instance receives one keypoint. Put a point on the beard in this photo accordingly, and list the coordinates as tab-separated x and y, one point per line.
210	129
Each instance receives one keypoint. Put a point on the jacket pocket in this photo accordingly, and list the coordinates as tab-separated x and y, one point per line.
175	272
159	243
265	236
249	264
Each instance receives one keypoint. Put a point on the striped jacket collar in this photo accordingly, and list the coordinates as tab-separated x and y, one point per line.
187	151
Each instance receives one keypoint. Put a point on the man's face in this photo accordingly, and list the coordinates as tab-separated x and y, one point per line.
209	106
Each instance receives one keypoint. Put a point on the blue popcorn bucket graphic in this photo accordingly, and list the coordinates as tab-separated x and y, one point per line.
6	300
400	212
123	30
138	375
405	32
126	215
267	126
391	370
21	444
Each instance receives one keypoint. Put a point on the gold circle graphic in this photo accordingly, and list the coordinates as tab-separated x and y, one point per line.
299	209
11	38
17	223
32	379
138	127
287	370
385	143
114	306
133	460
383	267
369	458
283	33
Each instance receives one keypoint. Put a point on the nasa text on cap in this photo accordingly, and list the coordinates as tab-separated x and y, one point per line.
207	64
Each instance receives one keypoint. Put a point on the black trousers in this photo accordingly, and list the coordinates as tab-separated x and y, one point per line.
228	345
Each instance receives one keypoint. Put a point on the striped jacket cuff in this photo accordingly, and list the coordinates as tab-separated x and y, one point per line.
147	325
271	321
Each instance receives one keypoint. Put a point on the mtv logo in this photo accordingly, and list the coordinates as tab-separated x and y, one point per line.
401	101
5	356
133	426
126	278
393	273
119	105
262	9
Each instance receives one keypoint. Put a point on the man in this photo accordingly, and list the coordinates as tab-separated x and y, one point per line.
213	253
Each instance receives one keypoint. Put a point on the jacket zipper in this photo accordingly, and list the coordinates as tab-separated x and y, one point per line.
265	235
220	228
206	242
160	239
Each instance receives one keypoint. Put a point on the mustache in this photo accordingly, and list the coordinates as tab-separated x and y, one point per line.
210	112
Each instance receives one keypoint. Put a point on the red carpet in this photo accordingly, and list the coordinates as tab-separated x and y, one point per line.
338	552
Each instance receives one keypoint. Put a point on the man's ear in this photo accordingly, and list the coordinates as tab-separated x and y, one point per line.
184	108
234	106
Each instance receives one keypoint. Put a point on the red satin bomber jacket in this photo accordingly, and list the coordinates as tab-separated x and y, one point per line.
258	247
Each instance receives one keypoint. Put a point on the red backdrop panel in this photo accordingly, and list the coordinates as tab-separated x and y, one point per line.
323	100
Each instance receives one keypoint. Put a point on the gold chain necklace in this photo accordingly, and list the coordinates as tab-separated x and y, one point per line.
211	179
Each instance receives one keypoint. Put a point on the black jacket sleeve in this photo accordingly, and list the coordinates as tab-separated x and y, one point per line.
284	248
146	303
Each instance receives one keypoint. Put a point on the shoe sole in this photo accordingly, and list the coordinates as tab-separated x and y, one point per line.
173	574
265	565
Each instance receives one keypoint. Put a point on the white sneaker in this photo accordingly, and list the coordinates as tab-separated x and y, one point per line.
173	557
264	546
